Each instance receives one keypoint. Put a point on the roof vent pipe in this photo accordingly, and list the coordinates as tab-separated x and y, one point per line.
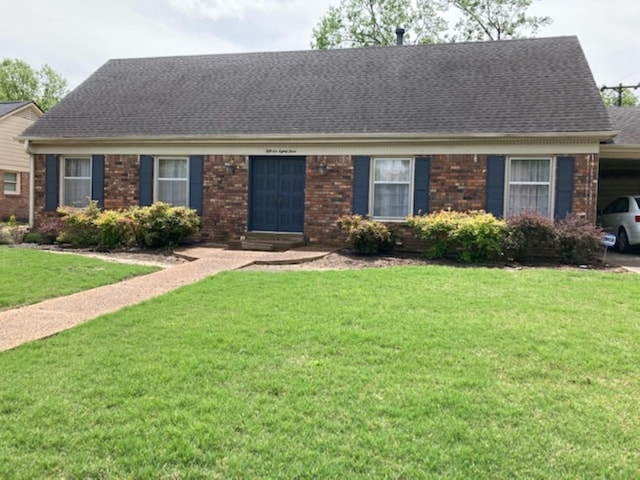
399	35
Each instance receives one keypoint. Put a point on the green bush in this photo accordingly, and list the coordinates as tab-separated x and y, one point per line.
158	225
367	236
473	236
437	230
163	225
531	236
116	229
579	240
480	235
80	229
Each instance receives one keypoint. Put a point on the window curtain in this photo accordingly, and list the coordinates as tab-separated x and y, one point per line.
530	187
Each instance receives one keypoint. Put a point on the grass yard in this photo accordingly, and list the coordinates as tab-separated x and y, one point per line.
413	372
29	276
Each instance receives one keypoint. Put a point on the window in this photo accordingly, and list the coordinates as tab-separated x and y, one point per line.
529	183
11	183
172	181
392	183
76	182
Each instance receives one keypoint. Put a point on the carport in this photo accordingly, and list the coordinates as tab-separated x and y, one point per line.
620	160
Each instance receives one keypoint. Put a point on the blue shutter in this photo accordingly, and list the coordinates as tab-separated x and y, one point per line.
51	182
564	186
146	180
495	185
361	171
421	186
97	179
196	164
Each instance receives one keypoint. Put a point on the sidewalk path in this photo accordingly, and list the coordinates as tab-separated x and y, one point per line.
47	318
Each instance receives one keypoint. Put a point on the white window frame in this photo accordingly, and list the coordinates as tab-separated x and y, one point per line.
157	179
373	183
551	183
63	177
15	182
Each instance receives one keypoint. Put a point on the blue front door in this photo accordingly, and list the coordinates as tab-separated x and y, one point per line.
276	194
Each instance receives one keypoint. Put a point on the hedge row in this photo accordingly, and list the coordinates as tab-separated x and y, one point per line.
159	225
477	236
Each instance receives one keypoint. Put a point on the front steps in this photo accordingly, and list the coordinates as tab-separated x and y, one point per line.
272	242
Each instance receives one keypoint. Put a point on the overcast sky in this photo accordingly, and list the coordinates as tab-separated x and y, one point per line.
75	37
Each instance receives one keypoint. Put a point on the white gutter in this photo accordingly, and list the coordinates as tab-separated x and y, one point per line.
32	182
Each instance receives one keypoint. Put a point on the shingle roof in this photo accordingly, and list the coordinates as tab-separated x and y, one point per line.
513	86
627	121
8	107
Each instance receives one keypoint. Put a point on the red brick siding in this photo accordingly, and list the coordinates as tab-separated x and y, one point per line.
15	204
457	182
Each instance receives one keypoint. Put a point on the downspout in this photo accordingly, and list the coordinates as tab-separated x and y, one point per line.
32	182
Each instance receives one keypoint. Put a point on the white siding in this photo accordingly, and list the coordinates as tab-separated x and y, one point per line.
12	154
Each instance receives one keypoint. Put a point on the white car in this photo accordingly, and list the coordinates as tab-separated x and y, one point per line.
622	217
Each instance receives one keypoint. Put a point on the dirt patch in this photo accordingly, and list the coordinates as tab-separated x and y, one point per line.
160	258
344	260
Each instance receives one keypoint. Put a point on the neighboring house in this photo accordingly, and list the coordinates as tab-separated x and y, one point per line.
14	161
286	142
620	159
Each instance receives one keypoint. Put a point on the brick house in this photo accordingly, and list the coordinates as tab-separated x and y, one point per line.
286	142
14	161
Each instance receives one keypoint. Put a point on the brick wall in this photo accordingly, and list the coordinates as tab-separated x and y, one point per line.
15	204
457	182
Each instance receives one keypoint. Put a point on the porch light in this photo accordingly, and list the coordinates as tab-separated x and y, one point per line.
323	167
230	167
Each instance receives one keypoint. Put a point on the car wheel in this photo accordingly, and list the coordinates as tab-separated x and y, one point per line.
623	241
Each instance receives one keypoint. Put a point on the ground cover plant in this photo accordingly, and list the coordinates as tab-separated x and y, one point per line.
411	372
29	276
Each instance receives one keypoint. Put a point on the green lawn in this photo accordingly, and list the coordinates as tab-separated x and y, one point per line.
29	276
413	372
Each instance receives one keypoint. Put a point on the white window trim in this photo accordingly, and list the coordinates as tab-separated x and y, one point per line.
372	183
63	177
17	183
156	176
551	182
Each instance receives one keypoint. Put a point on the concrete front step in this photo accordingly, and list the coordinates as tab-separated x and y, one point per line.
273	242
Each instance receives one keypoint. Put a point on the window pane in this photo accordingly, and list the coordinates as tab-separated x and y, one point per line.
392	170
172	168
530	170
391	201
11	182
76	192
173	192
77	167
529	199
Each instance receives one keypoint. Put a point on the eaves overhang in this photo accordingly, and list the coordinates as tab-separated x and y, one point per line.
327	144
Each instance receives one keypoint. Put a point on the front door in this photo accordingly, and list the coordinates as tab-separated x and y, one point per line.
276	194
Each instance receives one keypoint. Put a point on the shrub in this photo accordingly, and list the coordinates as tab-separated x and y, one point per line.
116	229
48	230
474	236
529	236
158	225
437	230
162	225
579	240
80	230
480	235
367	236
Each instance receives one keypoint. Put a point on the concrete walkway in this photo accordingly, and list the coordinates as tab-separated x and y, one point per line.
47	318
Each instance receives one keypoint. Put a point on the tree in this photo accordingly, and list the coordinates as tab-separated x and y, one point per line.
361	23
365	23
18	81
611	97
496	19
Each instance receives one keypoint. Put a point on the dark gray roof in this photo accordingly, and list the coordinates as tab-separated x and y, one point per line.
627	121
512	86
8	107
